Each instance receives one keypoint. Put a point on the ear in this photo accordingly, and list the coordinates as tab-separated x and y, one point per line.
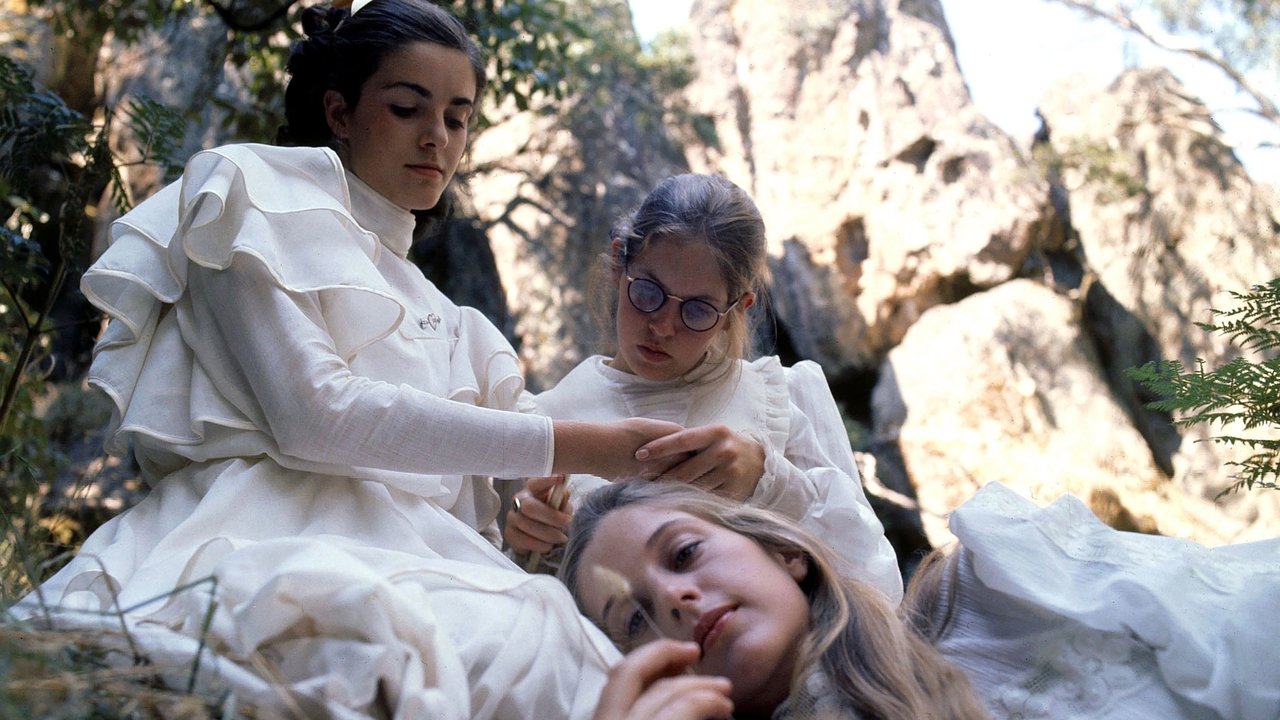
796	564
335	113
748	299
616	248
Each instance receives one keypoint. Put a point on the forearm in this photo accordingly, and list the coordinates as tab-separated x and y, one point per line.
287	376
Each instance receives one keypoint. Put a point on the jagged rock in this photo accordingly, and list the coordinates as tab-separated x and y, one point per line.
1168	223
885	192
889	200
1004	386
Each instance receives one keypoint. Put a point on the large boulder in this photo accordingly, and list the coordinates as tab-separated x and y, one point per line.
1168	225
1004	386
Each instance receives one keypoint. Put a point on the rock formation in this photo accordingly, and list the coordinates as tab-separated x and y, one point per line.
993	300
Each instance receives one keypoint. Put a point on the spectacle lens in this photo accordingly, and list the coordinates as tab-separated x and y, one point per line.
648	296
698	315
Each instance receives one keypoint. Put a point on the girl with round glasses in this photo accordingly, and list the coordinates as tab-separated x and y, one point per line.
648	296
682	271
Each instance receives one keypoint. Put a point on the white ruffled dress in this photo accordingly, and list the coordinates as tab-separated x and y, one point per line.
1057	616
318	424
809	473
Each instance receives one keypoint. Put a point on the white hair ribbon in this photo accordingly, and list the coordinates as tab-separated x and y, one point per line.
355	6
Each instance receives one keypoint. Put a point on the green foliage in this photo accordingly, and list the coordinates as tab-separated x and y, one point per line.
1239	38
55	166
1243	391
529	45
127	20
1244	32
1113	175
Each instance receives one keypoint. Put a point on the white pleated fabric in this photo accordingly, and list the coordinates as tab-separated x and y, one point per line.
1058	616
319	426
809	473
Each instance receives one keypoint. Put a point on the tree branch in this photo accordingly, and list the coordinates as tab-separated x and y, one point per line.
1123	20
240	22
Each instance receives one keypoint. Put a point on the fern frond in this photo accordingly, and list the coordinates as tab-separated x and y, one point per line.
1242	392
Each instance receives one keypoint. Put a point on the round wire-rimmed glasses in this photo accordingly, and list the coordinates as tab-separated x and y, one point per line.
648	296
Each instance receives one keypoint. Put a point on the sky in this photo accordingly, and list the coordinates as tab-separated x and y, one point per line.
1008	67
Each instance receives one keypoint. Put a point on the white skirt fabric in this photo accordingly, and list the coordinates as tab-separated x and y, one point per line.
1058	616
321	626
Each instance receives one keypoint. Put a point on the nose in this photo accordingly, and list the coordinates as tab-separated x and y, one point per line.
677	600
435	133
662	322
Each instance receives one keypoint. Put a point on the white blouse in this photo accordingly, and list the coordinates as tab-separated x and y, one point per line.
1054	615
323	347
809	473
317	423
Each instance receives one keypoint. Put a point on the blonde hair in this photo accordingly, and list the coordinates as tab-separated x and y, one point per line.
877	664
693	208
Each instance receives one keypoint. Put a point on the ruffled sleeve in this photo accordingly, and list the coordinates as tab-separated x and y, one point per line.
258	360
490	376
208	217
814	478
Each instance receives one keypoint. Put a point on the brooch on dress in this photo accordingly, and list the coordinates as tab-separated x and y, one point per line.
432	321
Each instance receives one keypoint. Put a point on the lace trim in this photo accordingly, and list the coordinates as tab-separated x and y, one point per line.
1082	676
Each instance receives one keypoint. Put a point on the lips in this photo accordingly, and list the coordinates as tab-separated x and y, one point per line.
710	625
651	353
426	168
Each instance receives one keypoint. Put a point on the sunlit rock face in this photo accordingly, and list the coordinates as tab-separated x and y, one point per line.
912	242
884	190
1165	224
1005	386
887	194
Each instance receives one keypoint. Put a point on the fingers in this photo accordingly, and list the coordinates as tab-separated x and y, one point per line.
647	429
722	460
688	697
541	487
649	683
682	442
525	536
536	526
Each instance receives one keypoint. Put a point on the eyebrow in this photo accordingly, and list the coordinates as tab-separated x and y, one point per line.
662	529
652	277
425	93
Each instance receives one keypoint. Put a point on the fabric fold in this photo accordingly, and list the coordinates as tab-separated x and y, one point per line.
1195	607
283	207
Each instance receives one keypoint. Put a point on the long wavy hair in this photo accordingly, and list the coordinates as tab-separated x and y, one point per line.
876	662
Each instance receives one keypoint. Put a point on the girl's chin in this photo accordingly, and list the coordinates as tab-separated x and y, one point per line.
656	374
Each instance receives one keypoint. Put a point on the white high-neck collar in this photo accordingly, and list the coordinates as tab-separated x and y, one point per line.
391	223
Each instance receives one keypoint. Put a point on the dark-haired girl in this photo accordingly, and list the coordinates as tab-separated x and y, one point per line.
317	423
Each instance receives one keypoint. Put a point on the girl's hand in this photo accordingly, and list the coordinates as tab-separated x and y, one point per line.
608	450
651	682
723	461
538	527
